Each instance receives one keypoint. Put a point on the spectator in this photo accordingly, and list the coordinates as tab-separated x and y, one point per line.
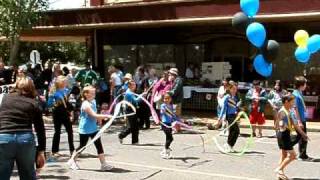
257	99
189	71
177	90
18	111
87	76
115	81
4	74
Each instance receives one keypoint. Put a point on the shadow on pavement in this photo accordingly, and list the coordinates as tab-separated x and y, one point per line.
254	152
304	178
185	159
53	177
114	170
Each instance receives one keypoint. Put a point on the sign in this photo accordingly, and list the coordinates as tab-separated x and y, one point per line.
35	58
6	89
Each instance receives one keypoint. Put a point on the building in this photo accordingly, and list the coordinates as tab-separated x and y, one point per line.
175	32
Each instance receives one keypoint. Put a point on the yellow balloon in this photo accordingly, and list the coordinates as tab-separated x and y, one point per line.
301	38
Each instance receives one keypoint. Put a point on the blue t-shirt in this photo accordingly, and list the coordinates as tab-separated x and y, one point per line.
299	104
59	98
166	114
230	106
87	124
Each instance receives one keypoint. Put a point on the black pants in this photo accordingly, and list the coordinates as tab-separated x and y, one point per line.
60	119
132	127
144	115
84	140
169	137
302	143
234	130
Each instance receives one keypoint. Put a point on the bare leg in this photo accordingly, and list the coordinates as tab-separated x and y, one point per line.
102	158
289	158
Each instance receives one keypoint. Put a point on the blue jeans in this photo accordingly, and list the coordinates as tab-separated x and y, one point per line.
17	147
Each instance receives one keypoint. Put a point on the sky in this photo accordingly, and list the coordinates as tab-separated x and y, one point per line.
65	4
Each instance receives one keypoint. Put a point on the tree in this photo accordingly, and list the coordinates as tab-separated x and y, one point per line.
16	16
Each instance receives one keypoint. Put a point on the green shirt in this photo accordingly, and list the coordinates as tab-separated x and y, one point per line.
87	77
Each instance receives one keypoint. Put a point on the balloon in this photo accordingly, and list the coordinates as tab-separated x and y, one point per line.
256	34
302	54
240	21
271	51
314	43
262	66
301	38
249	7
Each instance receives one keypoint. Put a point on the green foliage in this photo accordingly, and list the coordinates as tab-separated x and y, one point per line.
16	15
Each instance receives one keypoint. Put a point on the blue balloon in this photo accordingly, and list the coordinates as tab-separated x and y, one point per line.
256	34
262	67
250	7
302	54
314	43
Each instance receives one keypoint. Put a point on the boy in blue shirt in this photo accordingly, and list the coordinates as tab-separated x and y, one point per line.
300	109
229	110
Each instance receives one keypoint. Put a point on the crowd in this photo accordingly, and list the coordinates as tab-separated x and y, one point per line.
71	93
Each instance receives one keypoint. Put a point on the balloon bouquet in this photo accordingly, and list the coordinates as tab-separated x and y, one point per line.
306	45
256	34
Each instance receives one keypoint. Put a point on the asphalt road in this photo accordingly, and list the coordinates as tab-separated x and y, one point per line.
190	159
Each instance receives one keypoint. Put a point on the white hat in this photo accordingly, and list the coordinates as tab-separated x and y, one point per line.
173	71
128	76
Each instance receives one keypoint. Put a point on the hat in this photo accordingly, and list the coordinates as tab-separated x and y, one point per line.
128	76
173	71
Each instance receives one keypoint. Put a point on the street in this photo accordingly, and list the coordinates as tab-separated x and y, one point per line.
190	159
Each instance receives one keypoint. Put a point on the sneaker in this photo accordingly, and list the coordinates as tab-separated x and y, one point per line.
307	158
120	141
167	154
224	133
106	167
228	148
163	152
73	165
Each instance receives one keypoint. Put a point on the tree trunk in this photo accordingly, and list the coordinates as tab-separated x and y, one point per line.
14	49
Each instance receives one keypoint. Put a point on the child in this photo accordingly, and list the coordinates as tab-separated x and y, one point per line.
88	127
229	111
300	109
133	126
167	117
284	126
58	98
257	98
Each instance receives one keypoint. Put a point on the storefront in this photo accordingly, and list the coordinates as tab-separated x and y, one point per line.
176	33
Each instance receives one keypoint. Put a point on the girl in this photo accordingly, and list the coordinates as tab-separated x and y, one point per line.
229	110
58	99
167	117
133	125
88	127
284	126
257	99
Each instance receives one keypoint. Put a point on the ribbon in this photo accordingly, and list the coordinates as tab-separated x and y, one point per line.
106	126
249	142
153	111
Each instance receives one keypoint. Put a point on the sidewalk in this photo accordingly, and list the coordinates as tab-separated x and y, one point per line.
204	121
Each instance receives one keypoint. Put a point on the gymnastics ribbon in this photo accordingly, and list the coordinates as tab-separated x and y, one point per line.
248	142
153	111
107	125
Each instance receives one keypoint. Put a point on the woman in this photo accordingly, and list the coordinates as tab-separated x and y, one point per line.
160	89
18	111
